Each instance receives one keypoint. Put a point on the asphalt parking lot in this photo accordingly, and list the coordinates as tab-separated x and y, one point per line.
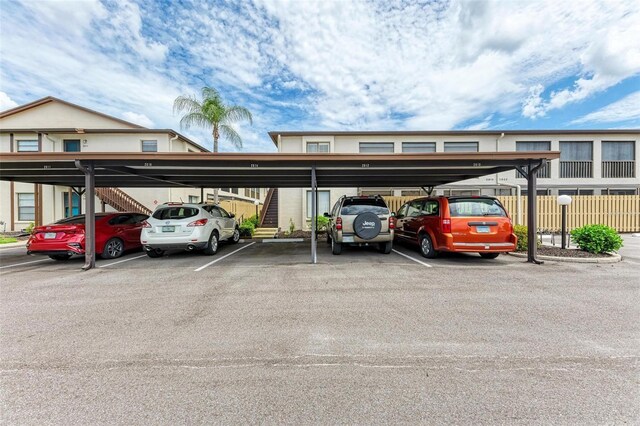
257	334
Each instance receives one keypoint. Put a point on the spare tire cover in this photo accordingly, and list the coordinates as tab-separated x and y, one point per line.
367	225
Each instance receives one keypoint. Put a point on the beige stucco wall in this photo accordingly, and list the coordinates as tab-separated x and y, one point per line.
58	115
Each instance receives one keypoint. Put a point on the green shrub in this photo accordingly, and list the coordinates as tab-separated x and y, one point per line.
247	228
521	232
597	238
323	223
292	226
253	219
29	229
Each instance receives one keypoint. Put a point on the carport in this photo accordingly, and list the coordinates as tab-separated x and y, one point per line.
200	170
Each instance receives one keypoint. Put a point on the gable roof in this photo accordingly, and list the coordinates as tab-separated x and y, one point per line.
49	99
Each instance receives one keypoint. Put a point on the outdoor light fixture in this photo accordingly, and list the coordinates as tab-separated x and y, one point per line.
257	203
564	201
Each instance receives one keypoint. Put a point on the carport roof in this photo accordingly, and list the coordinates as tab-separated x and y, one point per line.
262	170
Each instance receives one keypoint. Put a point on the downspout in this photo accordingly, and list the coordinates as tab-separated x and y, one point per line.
511	185
53	187
170	150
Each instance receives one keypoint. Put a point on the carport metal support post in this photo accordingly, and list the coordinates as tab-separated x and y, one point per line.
314	213
90	215
532	214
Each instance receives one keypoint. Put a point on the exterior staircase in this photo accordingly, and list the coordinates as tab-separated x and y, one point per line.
268	226
121	201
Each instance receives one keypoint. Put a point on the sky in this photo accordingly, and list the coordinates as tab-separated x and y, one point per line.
332	65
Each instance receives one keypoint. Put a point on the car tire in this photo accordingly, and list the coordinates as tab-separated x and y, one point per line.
386	247
60	257
113	249
235	238
155	253
489	255
336	248
426	247
212	244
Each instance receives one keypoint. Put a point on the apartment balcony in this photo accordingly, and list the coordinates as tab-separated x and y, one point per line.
576	169
618	169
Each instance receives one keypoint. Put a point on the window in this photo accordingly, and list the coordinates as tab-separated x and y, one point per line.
376	147
318	147
475	207
175	213
149	146
26	206
568	192
223	212
621	191
225	189
461	146
323	203
544	171
415	208
618	159
384	192
403	211
28	146
418	147
576	159
355	206
431	208
122	219
194	199
412	192
538	192
71	145
463	192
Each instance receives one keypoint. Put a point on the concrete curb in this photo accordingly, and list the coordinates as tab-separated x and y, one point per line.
613	258
13	245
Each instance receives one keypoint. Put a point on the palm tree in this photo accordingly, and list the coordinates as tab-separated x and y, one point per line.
212	113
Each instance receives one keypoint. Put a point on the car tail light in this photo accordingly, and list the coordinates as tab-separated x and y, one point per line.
200	222
146	224
339	223
446	226
392	222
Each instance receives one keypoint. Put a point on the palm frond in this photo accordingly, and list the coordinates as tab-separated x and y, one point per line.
209	93
237	113
188	104
231	135
195	119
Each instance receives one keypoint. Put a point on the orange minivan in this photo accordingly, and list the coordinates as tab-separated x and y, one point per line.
477	224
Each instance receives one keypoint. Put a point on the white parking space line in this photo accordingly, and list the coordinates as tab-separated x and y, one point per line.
409	257
24	263
121	261
220	258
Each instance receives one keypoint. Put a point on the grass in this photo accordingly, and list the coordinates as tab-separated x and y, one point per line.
7	240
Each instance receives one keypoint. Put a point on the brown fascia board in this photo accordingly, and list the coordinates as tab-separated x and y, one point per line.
106	131
274	134
48	99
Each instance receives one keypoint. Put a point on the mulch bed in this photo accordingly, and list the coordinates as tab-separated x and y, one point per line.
302	234
559	252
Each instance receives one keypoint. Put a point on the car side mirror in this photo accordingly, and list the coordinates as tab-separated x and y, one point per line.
326	214
232	215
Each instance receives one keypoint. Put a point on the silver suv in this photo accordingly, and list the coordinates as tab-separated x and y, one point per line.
362	220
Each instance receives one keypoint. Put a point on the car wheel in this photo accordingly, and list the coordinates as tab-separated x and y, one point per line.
386	247
154	253
336	248
236	236
426	247
113	248
489	255
60	257
212	245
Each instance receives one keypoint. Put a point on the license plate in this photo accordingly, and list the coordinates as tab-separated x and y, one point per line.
168	229
347	239
49	235
482	229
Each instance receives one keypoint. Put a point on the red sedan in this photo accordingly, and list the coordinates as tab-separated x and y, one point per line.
115	233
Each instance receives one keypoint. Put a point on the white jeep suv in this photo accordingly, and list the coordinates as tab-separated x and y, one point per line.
181	226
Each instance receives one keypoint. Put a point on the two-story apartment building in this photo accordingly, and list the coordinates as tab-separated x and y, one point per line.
54	125
592	162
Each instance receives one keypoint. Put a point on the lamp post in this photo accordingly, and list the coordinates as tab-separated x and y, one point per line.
564	201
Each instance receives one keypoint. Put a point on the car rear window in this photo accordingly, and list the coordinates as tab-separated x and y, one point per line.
74	220
475	207
175	213
352	206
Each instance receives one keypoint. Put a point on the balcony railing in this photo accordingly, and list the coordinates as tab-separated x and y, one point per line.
544	172
618	169
576	169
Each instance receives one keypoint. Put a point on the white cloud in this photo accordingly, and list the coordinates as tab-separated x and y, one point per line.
627	108
6	102
137	118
